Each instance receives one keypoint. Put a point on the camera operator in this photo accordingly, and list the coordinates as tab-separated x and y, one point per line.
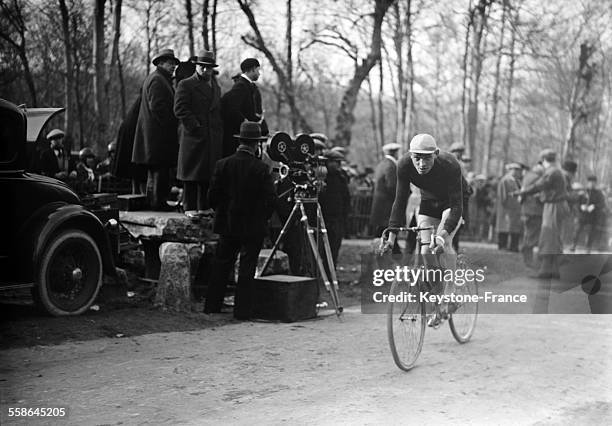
335	202
242	194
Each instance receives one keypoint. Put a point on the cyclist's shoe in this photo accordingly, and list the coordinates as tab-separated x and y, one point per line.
451	308
434	321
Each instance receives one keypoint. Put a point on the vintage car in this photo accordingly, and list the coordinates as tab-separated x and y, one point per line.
49	241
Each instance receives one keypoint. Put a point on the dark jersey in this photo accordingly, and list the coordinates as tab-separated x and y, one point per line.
441	188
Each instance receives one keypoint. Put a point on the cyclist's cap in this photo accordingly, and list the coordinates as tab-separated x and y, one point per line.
423	144
391	147
333	155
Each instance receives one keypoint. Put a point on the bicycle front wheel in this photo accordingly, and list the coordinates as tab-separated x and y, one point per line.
462	322
406	324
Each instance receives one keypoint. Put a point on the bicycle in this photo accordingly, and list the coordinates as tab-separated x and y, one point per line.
407	317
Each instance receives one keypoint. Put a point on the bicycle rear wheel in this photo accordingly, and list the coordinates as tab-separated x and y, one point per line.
405	325
462	322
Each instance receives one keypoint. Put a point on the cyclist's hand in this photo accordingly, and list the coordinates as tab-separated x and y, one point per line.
437	244
386	244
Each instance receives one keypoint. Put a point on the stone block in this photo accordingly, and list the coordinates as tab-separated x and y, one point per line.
167	226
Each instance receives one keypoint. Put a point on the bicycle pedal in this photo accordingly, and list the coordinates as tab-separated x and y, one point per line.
434	322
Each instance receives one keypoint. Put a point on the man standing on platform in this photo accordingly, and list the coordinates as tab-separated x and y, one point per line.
155	140
242	103
242	194
197	105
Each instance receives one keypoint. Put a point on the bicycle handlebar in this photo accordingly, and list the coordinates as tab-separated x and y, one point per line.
408	229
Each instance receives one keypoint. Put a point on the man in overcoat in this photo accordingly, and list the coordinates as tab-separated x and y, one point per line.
242	194
385	180
197	105
242	103
155	140
508	219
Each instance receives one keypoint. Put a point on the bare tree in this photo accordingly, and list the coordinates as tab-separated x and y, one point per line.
68	76
205	31
190	27
115	58
99	72
13	21
486	155
510	86
345	117
478	22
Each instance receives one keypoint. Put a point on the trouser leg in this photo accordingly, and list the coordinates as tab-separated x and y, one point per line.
514	241
502	240
249	254
190	196
225	258
203	196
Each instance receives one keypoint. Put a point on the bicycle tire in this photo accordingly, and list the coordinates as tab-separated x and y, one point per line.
406	323
462	322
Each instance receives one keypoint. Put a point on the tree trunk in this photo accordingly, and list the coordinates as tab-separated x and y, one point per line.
509	90
99	73
214	27
464	66
68	78
289	42
488	146
190	27
345	117
115	61
375	133
479	24
205	14
381	107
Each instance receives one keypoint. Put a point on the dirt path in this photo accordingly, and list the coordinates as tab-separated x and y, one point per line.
519	369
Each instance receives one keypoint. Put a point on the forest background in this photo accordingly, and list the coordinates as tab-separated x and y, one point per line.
505	77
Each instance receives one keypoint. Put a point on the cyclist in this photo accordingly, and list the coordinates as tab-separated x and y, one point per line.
438	175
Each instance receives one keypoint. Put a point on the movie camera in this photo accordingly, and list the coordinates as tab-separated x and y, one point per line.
300	164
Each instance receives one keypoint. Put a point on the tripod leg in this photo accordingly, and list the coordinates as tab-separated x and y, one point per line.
330	263
282	233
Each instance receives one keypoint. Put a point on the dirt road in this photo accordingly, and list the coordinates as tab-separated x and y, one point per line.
519	369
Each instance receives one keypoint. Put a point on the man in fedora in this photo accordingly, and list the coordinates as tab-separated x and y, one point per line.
242	103
197	105
242	194
155	139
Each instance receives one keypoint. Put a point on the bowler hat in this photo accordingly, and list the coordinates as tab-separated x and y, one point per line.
249	63
457	146
319	136
334	155
548	155
55	134
165	54
423	143
206	58
391	147
250	130
513	166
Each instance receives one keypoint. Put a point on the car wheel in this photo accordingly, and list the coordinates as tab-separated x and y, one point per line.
70	274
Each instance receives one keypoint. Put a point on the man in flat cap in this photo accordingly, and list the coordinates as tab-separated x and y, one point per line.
335	202
155	139
242	194
508	218
592	216
242	103
385	181
54	161
197	105
553	192
531	214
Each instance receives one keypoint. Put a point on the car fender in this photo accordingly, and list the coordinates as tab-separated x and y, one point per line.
54	217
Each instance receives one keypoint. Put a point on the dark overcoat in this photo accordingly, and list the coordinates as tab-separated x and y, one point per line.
242	194
242	102
123	167
197	105
156	140
385	181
